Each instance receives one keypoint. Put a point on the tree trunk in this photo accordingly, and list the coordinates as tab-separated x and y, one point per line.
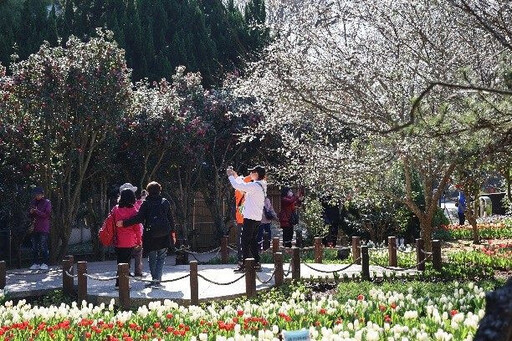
426	231
471	215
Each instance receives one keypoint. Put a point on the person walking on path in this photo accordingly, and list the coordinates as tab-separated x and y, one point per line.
269	214
155	213
40	212
255	193
288	215
130	236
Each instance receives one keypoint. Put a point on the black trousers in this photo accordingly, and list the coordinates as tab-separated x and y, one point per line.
250	239
124	255
462	218
287	236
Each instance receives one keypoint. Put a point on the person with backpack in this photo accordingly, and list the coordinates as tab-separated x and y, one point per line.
255	193
155	214
288	216
269	214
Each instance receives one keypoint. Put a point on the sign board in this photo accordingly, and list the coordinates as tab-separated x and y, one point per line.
296	335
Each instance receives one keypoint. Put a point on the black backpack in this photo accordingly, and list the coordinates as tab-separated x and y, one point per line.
157	222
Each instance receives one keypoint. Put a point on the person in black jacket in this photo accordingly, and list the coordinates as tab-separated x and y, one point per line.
155	214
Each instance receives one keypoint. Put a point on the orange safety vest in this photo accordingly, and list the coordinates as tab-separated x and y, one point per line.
239	201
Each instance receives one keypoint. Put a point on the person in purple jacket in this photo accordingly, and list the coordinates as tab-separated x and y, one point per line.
40	213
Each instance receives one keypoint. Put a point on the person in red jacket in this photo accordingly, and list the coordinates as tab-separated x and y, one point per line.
289	201
127	237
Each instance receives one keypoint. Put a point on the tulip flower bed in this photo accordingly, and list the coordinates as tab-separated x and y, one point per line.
496	255
498	230
420	312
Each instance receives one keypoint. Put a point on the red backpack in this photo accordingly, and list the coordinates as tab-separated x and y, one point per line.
107	233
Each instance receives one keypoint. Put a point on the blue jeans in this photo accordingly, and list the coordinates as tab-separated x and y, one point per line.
156	263
40	247
263	228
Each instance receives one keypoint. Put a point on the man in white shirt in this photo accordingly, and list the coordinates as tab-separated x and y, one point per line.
255	193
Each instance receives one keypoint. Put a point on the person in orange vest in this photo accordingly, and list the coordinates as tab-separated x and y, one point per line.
239	204
255	193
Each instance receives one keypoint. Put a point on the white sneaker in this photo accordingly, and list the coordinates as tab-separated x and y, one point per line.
43	267
35	267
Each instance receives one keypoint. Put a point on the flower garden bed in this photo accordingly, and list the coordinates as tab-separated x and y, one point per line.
387	308
358	311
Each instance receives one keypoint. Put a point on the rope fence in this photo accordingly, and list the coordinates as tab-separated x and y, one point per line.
360	256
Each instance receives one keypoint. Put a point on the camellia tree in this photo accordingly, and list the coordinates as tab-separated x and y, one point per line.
16	166
185	137
73	97
164	140
368	95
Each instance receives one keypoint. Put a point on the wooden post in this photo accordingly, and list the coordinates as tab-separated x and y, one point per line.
420	255
356	249
318	250
123	271
392	251
298	238
223	250
194	283
436	255
3	274
279	272
295	262
266	241
365	260
82	281
67	281
275	244
250	277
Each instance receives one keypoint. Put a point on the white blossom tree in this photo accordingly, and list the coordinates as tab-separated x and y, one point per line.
367	95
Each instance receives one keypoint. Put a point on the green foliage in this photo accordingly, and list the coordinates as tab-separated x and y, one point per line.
467	234
312	216
205	36
481	259
69	100
372	219
56	297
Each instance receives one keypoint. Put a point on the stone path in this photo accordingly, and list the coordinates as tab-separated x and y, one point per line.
25	283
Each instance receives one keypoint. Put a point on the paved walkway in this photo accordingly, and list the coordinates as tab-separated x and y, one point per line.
25	283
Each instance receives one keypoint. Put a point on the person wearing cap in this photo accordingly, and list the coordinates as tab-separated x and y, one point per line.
239	218
255	193
156	245
40	212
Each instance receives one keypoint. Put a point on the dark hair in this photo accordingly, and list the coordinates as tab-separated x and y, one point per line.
284	191
154	188
127	198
